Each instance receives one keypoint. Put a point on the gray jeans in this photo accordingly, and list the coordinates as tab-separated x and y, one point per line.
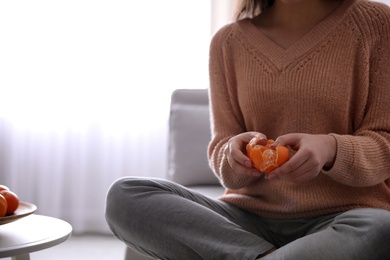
168	221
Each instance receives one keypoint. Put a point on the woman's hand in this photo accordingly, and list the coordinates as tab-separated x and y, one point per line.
236	153
313	152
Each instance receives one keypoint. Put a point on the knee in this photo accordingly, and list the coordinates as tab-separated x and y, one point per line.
367	231
120	189
121	198
380	226
124	207
129	193
375	227
371	221
114	199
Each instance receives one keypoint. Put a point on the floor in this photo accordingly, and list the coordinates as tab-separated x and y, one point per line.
86	247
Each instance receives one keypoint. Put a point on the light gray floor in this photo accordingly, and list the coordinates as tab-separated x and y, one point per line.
86	247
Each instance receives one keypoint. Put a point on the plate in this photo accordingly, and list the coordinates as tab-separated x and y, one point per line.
22	211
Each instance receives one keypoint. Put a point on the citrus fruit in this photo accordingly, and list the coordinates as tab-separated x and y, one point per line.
3	206
12	201
3	187
264	157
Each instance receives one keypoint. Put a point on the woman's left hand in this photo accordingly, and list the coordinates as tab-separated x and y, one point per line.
313	152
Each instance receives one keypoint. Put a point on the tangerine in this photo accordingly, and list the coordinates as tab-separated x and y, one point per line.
12	201
3	206
264	157
3	187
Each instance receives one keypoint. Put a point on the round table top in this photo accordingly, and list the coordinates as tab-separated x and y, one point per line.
32	233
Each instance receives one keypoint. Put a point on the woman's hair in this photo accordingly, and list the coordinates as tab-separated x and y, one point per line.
251	8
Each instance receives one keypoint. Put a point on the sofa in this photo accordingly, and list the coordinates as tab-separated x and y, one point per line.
189	135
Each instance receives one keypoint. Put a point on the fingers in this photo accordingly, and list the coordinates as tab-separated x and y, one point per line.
247	136
303	166
243	167
294	172
236	155
239	162
291	140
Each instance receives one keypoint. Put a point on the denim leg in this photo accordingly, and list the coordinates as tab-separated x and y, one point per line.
167	221
359	234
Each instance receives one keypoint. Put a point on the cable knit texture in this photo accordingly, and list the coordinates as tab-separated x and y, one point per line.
334	80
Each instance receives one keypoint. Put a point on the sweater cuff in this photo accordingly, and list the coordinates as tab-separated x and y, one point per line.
344	160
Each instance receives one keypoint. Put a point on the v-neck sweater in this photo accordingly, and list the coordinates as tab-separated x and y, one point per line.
335	80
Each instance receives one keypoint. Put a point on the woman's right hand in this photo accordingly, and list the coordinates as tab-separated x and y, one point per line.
235	152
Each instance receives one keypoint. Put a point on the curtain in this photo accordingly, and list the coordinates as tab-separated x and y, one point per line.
84	95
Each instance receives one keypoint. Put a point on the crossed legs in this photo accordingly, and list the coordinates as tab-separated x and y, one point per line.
167	221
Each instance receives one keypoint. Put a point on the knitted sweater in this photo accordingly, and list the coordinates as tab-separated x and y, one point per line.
334	80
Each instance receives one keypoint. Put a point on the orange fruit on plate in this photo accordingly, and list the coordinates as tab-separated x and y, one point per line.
3	187
12	201
3	206
265	158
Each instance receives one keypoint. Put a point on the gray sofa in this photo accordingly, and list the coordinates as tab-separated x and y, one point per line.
189	135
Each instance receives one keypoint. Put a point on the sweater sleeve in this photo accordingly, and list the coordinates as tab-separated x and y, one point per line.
363	159
226	118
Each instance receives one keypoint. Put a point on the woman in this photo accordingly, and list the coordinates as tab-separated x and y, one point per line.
315	76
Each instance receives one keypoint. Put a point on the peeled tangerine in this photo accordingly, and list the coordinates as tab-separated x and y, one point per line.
265	158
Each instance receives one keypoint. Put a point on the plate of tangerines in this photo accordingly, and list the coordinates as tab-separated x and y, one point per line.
11	209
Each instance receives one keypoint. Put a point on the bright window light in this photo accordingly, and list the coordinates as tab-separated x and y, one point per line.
70	64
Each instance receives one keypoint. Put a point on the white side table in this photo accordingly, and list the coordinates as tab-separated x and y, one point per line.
32	233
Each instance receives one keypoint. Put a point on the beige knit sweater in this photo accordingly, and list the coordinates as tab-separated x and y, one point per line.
335	80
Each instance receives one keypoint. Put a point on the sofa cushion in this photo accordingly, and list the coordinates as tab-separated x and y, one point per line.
189	136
